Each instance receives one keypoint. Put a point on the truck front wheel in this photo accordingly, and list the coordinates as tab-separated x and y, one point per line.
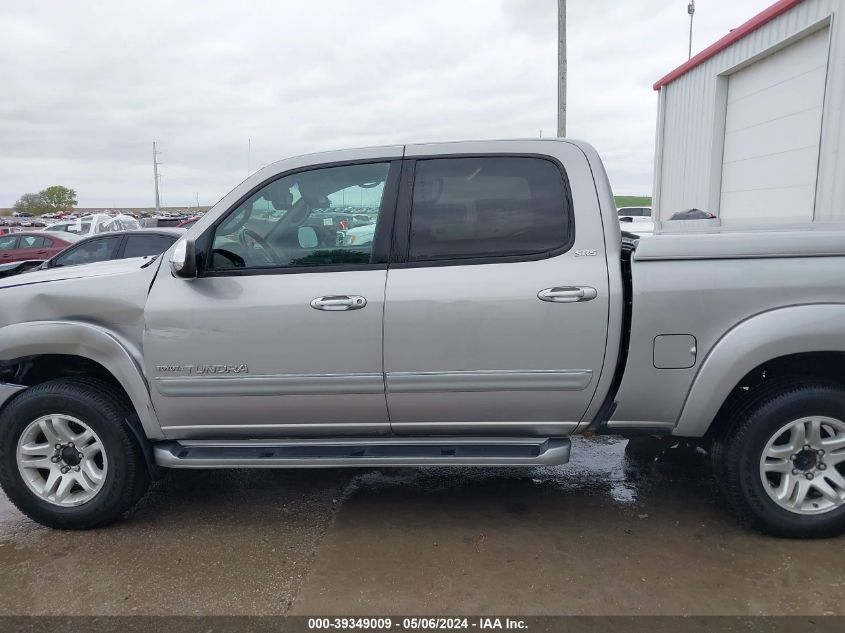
67	458
781	463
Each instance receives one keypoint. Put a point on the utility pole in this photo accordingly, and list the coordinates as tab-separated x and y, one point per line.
691	11
248	156
198	200
561	68
155	176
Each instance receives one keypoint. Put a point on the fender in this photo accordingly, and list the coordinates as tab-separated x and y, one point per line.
758	339
88	341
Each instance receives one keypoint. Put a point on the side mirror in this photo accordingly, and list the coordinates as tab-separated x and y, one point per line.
183	260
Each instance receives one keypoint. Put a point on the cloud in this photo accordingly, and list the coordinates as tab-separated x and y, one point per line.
89	85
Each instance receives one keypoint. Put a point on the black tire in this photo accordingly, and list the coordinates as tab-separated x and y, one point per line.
737	450
104	410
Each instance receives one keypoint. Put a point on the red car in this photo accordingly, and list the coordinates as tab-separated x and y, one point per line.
33	245
186	224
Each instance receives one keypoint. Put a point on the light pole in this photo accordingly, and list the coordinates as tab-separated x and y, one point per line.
155	176
561	68
691	11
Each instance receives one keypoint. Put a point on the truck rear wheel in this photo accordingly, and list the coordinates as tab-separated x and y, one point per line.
67	457
781	463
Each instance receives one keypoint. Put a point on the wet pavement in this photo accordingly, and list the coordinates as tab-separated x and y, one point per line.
601	535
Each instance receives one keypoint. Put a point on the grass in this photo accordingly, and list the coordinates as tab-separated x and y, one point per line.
633	201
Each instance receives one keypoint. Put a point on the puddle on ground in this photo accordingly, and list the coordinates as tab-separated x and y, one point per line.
597	466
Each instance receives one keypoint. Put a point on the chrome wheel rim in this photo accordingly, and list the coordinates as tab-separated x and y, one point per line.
803	465
62	460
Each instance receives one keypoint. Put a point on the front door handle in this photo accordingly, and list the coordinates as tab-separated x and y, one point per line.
339	302
567	294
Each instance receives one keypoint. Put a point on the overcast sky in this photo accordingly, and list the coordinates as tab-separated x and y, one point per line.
88	85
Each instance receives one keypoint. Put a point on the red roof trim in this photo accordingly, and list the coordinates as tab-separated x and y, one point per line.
782	6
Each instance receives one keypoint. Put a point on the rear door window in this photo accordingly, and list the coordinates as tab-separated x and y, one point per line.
8	242
146	245
488	207
31	241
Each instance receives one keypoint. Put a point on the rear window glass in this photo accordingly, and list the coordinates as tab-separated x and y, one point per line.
487	207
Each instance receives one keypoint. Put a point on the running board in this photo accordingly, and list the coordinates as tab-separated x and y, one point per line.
331	453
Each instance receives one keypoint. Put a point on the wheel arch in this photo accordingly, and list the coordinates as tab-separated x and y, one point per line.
785	338
42	342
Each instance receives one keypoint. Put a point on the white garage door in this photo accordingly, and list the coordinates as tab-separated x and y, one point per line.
772	131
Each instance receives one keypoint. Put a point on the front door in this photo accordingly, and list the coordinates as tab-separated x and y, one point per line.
497	322
281	333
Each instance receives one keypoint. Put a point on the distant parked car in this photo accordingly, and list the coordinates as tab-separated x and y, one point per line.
96	223
186	224
6	230
33	245
358	236
160	221
116	245
635	220
634	212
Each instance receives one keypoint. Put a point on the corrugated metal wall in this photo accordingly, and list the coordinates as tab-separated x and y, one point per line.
689	117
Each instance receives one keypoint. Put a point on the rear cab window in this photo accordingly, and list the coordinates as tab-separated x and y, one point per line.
488	207
146	245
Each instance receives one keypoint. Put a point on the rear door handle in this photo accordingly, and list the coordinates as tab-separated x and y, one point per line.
567	294
333	303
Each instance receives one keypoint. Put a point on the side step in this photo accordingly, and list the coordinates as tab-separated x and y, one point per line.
407	451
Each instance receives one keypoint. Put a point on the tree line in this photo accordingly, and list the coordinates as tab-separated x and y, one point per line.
51	199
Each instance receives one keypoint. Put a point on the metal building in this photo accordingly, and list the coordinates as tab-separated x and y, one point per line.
754	125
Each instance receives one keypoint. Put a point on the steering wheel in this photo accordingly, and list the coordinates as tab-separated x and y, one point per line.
274	255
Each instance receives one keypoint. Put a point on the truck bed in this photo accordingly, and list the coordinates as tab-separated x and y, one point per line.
704	281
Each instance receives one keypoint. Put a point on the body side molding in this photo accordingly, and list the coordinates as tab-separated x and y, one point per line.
489	380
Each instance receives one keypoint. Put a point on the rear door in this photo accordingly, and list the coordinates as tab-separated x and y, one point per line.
496	314
33	247
8	252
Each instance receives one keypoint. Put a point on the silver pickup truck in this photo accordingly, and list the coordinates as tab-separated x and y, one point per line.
492	311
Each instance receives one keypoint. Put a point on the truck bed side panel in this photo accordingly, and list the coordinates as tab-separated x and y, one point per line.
706	298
